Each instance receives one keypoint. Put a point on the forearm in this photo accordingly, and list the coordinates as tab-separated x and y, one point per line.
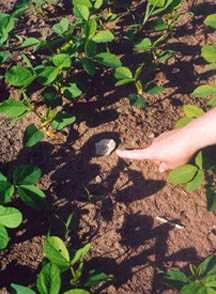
201	132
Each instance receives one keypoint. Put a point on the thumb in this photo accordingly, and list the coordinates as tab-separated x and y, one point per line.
139	154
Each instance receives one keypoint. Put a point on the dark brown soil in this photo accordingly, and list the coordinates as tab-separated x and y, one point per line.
120	214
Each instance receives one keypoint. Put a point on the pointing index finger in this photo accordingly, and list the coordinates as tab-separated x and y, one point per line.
137	154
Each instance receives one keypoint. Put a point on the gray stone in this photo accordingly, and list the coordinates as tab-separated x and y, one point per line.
105	147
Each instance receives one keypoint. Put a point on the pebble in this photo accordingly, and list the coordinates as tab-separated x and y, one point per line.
105	147
151	135
96	180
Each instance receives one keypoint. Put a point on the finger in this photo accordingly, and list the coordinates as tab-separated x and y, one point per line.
163	167
135	154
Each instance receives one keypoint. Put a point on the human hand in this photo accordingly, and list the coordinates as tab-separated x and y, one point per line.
168	151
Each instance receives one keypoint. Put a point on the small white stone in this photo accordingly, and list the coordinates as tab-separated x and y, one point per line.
96	180
151	135
105	147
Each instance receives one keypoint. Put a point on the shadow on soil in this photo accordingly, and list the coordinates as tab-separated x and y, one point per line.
138	234
70	186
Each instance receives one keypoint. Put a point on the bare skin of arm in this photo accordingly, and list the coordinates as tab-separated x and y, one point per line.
176	147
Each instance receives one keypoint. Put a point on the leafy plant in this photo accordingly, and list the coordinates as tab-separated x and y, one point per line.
22	183
57	263
208	52
10	218
190	112
193	175
202	278
190	175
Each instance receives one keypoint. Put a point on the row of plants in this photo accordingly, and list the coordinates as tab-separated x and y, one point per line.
59	68
62	273
202	278
193	175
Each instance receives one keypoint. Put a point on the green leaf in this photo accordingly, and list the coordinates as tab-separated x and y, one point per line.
6	191
77	291
144	45
26	175
90	48
192	111
96	278
62	120
56	252
191	288
2	178
61	27
49	279
208	266
98	4
19	289
19	76
153	89
212	102
182	174
165	55
72	91
138	71
103	37
176	279
32	136
208	52
13	108
31	195
82	11
196	182
122	73
159	25
61	60
50	97
211	21
210	284
4	238
108	59
209	67
29	42
91	27
124	82
20	7
4	56
48	75
86	3
157	3
182	122
204	91
80	254
7	23
199	159
10	217
88	66
137	100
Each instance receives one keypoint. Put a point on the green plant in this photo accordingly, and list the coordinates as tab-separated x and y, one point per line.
155	7
78	45
57	263
125	77
208	52
190	175
202	278
22	183
193	175
10	218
